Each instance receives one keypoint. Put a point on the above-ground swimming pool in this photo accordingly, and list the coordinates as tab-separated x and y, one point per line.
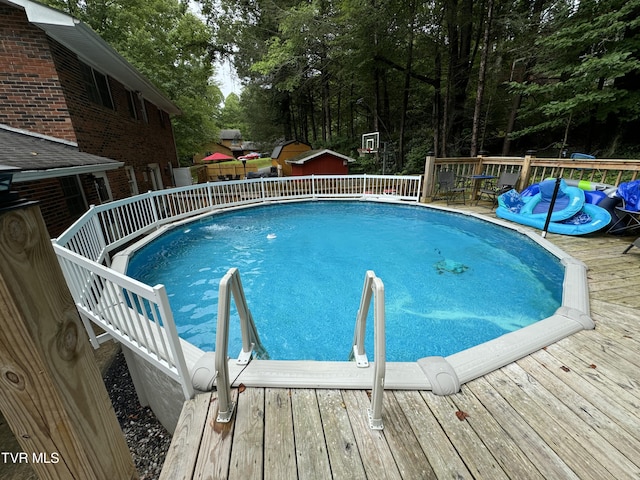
451	282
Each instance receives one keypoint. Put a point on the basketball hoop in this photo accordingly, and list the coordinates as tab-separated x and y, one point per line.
370	143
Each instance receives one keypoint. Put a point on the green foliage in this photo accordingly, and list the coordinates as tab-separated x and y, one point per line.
232	114
581	66
327	71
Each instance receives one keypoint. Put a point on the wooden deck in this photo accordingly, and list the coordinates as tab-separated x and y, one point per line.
568	411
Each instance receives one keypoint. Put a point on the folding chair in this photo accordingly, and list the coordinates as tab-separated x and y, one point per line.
635	243
450	186
627	220
628	216
492	190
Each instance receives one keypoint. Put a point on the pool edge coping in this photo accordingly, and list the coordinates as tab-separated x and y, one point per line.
442	375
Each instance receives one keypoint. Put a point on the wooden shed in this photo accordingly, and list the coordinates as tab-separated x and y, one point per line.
320	162
283	152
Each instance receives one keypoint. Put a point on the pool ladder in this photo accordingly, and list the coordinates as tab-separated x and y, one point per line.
373	288
231	284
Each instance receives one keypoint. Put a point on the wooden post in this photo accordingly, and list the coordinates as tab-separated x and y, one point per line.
429	173
51	391
525	173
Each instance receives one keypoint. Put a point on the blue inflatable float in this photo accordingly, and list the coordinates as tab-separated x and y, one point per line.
571	214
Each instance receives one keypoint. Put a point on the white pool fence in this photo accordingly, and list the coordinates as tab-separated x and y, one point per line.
138	315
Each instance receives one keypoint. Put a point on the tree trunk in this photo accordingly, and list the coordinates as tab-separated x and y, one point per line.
459	23
437	104
535	8
407	86
481	80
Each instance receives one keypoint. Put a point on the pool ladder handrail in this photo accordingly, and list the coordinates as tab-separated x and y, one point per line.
231	284
373	287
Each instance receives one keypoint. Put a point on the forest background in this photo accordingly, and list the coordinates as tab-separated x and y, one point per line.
447	77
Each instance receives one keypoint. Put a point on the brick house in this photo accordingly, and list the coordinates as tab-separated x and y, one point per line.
62	84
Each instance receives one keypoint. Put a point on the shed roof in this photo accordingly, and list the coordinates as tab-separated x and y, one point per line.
305	157
40	156
92	50
278	148
230	134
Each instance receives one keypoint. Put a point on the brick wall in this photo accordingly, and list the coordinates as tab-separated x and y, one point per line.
116	133
52	201
41	90
31	96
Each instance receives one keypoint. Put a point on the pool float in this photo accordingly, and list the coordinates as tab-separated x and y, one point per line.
568	202
600	194
571	215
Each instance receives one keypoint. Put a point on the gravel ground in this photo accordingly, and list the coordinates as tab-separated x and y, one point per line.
147	439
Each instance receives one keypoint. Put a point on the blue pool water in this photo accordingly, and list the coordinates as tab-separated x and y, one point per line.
451	282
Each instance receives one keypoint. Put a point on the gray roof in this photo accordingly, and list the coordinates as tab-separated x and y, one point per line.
39	156
91	49
230	134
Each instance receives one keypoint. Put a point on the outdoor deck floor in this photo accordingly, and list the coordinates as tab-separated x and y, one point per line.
570	410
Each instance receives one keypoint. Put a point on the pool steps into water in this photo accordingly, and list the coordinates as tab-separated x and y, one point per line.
214	367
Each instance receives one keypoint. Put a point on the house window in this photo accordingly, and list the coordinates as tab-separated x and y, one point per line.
155	176
103	193
97	86
73	195
143	108
102	187
131	103
131	177
163	118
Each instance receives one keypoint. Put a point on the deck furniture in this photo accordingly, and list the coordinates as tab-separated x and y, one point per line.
450	186
635	243
492	189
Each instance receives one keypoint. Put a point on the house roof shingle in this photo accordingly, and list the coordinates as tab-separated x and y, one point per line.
39	156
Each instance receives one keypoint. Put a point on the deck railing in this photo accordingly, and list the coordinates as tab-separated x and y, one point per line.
139	315
533	169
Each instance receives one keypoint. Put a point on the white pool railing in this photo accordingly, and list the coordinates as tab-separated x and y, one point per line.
373	289
139	315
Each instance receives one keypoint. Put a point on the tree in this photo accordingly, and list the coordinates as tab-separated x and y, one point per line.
482	71
585	57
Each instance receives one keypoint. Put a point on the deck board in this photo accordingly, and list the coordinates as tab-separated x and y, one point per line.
311	450
246	456
341	443
279	451
567	411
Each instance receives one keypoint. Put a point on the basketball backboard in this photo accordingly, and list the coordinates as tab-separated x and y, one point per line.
371	142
